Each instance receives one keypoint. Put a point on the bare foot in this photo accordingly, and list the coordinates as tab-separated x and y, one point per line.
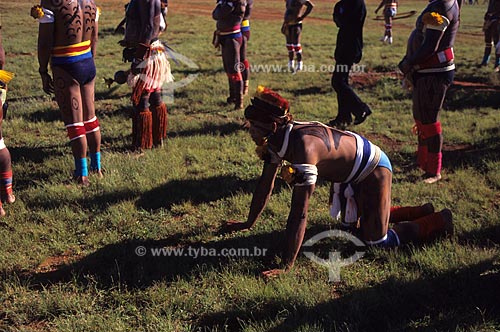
82	181
2	212
270	274
97	173
9	198
432	178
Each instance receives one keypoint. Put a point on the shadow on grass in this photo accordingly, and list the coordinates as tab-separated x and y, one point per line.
110	95
461	97
95	203
459	156
310	91
209	129
140	263
436	302
483	236
194	191
36	154
165	196
453	299
51	115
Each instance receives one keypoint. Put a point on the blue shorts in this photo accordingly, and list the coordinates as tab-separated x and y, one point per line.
384	161
82	71
391	12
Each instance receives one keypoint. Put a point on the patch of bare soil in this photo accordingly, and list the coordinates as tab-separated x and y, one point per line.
370	79
54	263
388	143
259	12
475	86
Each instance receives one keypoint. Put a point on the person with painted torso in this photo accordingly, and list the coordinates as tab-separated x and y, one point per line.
229	15
491	29
6	193
296	12
245	31
67	39
150	70
390	11
430	67
360	173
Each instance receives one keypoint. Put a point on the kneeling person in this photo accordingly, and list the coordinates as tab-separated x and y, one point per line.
355	166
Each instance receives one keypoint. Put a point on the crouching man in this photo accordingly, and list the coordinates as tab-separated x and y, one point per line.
361	176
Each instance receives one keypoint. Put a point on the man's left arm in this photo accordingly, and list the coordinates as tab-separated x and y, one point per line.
295	228
435	28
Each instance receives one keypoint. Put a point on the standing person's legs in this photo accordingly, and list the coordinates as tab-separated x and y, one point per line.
142	124
92	127
388	27
297	47
341	86
160	118
231	61
487	46
67	92
245	63
348	101
496	45
428	96
6	193
289	46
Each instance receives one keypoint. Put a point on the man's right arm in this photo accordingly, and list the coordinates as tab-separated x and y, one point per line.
262	193
45	43
260	198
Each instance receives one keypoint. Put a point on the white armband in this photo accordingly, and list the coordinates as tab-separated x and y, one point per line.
3	96
163	25
435	21
48	16
306	174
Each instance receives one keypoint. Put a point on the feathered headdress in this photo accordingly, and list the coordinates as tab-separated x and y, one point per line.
267	106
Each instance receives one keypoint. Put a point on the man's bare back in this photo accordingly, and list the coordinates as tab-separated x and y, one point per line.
75	20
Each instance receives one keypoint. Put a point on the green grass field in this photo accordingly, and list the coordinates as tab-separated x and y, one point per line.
69	257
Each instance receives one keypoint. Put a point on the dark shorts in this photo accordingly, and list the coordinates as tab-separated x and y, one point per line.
82	71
